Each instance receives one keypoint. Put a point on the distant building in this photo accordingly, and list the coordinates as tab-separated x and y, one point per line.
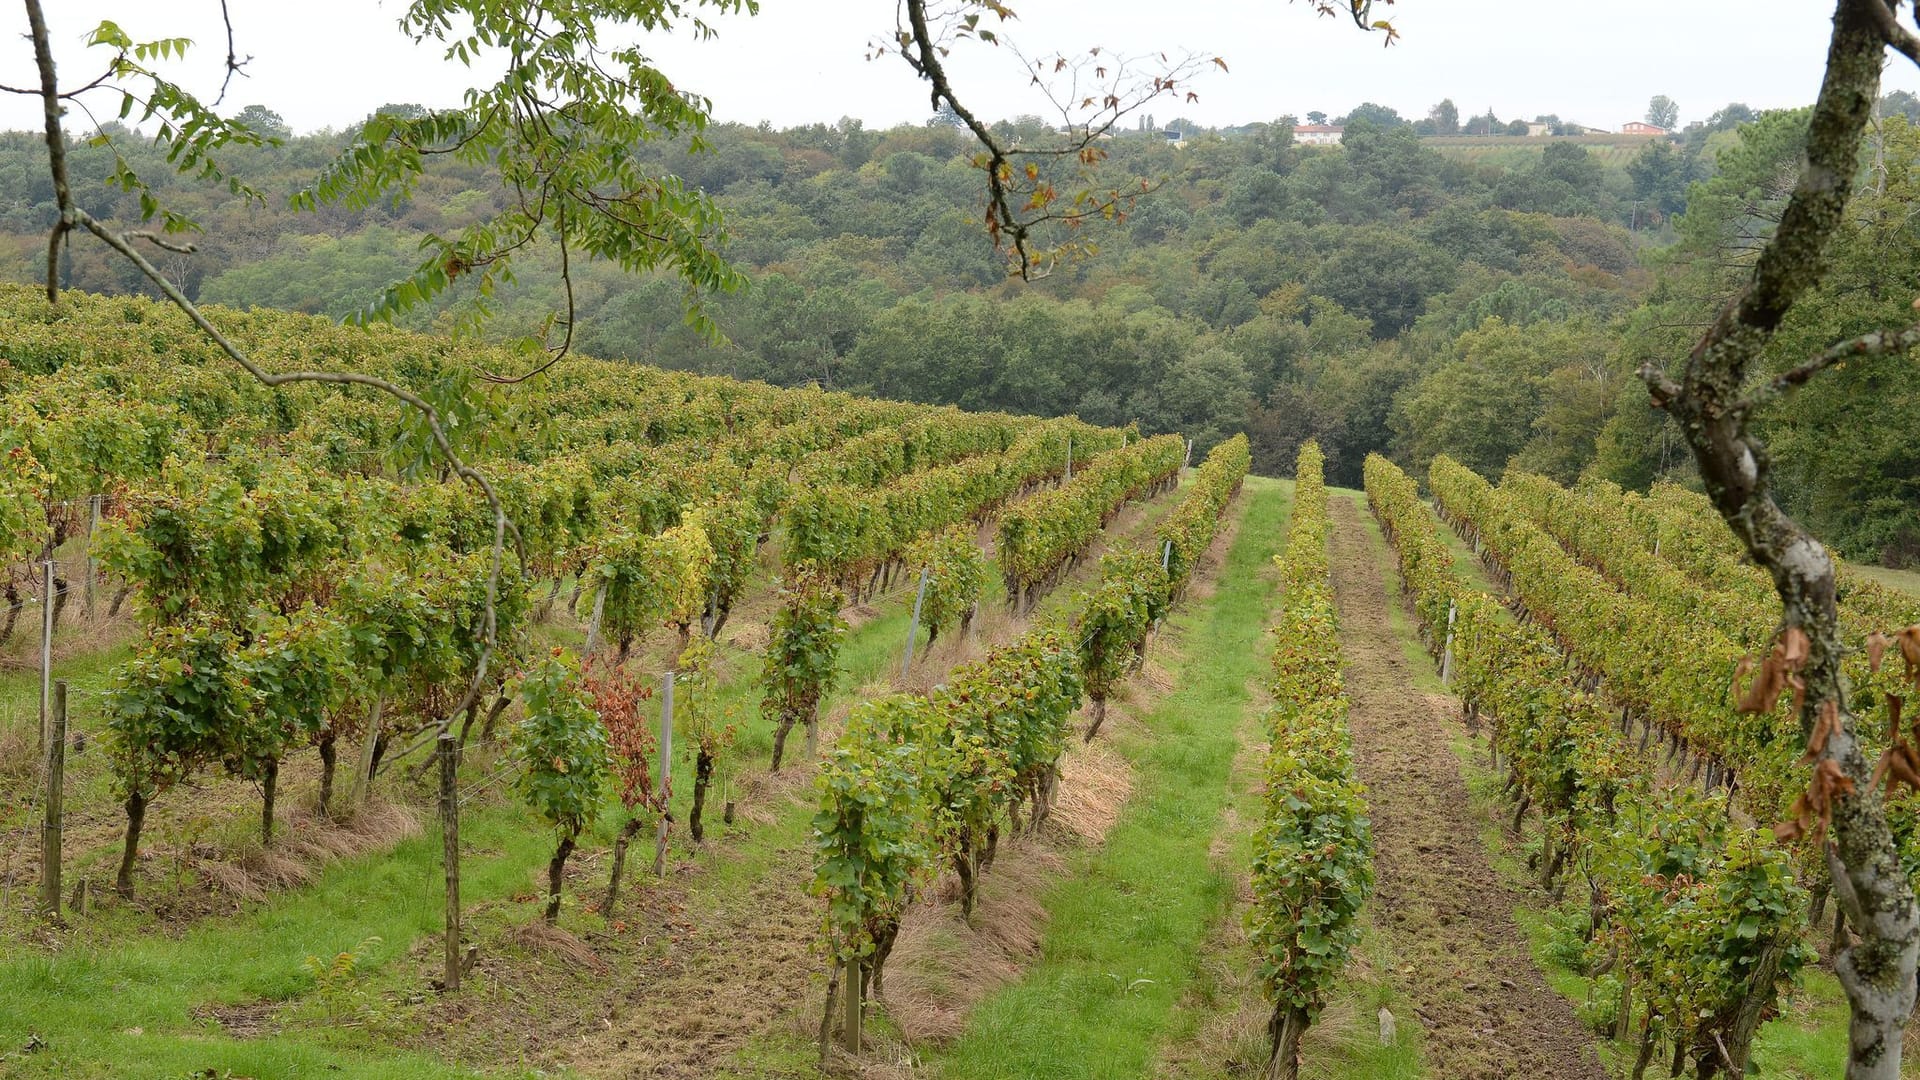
1318	134
1638	127
1174	136
1535	128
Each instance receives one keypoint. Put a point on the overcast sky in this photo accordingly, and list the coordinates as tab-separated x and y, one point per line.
329	64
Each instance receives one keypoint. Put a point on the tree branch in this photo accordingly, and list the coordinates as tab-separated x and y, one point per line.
233	63
1877	343
1902	40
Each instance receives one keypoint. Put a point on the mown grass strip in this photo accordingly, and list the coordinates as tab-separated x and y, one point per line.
1127	925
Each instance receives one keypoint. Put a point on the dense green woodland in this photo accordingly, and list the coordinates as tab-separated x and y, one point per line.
1382	295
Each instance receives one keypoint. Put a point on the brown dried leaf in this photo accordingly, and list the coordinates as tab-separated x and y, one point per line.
1901	765
1825	727
1910	652
1877	645
1763	693
1796	648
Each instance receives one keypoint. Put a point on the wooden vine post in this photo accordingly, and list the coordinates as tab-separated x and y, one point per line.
51	829
450	853
666	778
93	564
850	1016
593	625
363	779
913	625
46	653
1446	655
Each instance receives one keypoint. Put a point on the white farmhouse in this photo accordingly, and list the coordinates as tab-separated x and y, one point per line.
1318	134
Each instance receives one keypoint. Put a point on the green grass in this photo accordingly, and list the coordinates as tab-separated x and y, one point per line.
1907	581
1126	926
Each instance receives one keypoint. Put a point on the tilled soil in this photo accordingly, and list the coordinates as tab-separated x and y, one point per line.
1444	912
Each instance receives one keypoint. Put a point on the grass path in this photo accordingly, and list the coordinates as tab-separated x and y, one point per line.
1126	925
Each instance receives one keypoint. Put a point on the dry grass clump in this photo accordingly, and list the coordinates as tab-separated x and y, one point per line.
1095	783
538	937
305	842
941	966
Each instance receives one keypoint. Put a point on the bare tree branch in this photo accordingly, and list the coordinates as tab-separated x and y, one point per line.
233	63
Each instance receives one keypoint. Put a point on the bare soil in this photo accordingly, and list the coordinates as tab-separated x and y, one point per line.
1444	912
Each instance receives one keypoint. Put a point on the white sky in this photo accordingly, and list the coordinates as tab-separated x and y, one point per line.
799	62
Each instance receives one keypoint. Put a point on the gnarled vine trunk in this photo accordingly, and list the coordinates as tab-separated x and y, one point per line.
136	817
556	875
620	843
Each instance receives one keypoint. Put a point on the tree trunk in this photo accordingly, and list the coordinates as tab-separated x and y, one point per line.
1645	1056
499	706
329	757
627	833
992	848
826	1017
268	781
15	602
556	876
963	865
883	940
136	817
1712	407
1753	1007
1623	1020
702	775
59	599
1284	1030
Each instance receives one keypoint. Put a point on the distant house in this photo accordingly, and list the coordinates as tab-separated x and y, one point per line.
1637	127
1318	134
1536	129
1174	136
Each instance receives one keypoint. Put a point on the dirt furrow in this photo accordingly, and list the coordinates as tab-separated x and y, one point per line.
1444	912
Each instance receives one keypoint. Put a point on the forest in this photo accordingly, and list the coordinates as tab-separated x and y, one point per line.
1381	295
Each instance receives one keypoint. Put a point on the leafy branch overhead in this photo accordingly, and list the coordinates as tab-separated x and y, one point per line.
558	127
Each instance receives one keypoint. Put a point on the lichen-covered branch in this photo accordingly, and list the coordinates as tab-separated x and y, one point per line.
1710	405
